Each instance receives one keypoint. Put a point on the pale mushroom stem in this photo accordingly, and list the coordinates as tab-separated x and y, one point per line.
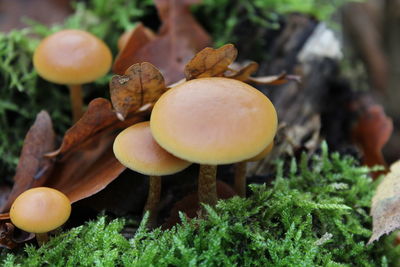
75	92
42	238
207	188
240	178
153	199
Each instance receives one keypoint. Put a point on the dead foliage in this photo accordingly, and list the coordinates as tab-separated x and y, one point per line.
177	41
141	84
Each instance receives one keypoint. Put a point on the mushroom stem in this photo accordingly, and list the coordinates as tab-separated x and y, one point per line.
42	238
153	199
240	178
75	92
207	188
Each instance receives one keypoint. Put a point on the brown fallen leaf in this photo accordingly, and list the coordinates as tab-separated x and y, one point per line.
4	216
39	140
9	238
179	38
129	44
273	79
6	235
210	62
244	73
84	164
371	132
385	208
142	84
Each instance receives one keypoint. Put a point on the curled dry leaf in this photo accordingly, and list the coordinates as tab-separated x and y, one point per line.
142	84
83	165
39	140
129	44
371	132
85	162
273	79
179	38
244	73
9	238
210	62
385	209
6	235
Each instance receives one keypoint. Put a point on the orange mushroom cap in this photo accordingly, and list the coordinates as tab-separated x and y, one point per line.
72	57
214	121
136	149
40	210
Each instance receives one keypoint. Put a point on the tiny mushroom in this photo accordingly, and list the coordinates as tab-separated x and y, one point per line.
241	168
40	210
213	121
136	149
72	57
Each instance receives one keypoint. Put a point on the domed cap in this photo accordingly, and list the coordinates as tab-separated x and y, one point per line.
72	57
40	210
136	149
214	121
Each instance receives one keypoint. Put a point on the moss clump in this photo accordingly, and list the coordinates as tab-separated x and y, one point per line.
312	216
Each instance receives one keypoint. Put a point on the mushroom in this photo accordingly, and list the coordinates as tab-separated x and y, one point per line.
136	149
40	210
240	170
213	121
72	57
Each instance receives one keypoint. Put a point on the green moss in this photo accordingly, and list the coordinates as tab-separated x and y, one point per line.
311	216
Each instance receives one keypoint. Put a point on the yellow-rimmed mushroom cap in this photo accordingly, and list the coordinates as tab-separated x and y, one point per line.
263	153
72	57
136	149
214	121
40	210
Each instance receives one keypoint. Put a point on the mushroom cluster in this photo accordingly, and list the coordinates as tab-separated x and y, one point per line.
212	121
209	121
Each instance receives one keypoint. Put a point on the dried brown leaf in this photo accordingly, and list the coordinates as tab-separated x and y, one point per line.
210	62
98	116
6	235
86	163
244	73
385	208
84	172
273	79
32	166
179	39
372	131
136	39
142	84
4	216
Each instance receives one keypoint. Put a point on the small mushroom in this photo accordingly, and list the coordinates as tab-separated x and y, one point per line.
72	57
241	168
213	121
40	210
136	149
